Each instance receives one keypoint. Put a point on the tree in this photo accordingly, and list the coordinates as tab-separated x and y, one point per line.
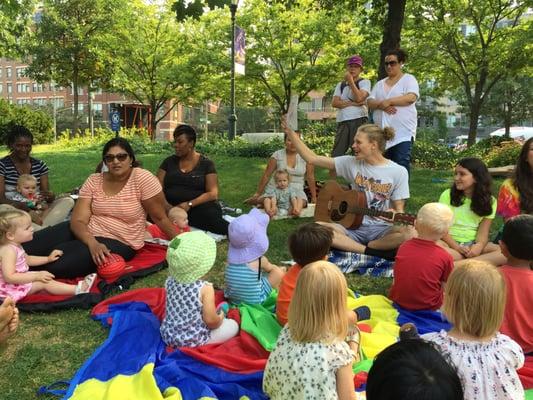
15	16
294	49
509	101
470	44
66	44
151	56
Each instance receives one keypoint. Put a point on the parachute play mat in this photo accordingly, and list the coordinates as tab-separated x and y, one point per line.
134	363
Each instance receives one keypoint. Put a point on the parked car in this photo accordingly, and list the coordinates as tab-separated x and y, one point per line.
522	133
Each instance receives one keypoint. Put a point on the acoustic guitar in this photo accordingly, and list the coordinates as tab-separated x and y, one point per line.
348	207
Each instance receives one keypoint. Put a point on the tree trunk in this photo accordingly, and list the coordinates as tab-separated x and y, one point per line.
153	121
391	31
474	117
90	109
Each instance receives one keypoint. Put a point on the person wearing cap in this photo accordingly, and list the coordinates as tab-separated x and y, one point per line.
350	100
393	101
249	276
191	317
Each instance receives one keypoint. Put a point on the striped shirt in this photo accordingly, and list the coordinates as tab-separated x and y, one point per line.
11	174
121	216
242	285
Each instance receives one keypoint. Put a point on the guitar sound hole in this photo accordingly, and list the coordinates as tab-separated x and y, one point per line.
335	216
343	207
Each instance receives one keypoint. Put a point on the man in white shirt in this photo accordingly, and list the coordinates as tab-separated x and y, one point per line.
350	100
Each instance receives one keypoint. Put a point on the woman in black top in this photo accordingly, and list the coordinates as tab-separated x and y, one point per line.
190	181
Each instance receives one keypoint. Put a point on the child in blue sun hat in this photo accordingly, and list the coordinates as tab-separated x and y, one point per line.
191	317
249	276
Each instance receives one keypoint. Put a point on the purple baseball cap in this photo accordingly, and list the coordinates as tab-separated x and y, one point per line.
355	60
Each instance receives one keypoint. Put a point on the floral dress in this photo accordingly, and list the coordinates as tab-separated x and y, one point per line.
487	369
304	370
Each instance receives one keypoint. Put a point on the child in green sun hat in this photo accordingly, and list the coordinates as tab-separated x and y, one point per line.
191	317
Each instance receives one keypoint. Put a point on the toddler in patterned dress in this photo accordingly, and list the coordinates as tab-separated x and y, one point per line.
486	360
311	359
191	317
16	280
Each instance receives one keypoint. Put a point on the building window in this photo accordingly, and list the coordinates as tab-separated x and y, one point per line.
8	72
23	101
20	72
39	101
1	71
80	90
23	88
38	87
1	88
97	109
9	88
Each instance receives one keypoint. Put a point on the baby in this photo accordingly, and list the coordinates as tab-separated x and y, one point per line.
28	194
179	218
281	200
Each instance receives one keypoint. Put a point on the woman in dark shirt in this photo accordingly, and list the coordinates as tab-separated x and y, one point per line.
189	181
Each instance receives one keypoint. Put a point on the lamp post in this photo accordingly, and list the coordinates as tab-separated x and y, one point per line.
232	119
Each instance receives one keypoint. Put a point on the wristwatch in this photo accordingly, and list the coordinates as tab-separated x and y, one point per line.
189	204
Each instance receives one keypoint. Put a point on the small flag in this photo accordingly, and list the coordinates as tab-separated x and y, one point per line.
240	51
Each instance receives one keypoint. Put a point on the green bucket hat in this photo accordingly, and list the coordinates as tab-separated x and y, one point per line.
190	256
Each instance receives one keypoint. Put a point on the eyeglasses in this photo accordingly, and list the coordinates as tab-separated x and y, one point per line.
390	63
108	158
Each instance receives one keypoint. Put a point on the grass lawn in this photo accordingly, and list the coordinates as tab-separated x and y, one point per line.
51	347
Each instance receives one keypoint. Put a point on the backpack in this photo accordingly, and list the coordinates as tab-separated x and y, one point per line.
344	84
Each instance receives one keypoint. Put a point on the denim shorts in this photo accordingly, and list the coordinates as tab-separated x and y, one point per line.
367	232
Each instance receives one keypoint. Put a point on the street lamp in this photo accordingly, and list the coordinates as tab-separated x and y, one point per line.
232	118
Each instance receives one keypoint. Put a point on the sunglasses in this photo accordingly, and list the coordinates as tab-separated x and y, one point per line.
108	158
390	63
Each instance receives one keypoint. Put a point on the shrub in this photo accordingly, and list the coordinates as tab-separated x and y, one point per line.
505	154
432	155
37	121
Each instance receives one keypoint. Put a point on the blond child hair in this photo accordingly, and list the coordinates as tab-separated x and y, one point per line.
325	318
434	219
9	221
25	178
281	172
474	298
175	213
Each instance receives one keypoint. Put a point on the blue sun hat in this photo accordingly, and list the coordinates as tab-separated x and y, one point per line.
248	238
190	256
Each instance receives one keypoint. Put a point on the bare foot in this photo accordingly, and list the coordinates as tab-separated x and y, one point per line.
9	319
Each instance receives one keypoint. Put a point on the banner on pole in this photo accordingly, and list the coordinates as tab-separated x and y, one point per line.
240	51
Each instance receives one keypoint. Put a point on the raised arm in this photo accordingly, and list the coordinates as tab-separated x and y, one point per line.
307	154
311	182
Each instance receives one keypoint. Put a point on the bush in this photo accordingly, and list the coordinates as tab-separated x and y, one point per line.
433	155
37	121
505	154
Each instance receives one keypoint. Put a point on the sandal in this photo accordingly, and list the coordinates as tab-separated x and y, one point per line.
354	336
85	285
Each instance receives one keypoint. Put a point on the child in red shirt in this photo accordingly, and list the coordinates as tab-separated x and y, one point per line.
516	245
179	218
422	266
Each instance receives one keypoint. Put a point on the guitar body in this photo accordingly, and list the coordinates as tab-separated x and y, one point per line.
348	207
334	204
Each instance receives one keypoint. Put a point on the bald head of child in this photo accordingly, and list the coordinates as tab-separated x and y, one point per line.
433	221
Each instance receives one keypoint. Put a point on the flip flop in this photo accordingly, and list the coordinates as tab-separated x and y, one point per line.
354	335
88	281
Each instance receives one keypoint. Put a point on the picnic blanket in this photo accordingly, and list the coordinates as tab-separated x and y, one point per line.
361	263
134	363
147	260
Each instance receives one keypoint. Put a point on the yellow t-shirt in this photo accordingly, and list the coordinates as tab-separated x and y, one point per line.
466	221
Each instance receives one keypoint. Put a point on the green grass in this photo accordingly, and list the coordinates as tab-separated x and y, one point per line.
51	347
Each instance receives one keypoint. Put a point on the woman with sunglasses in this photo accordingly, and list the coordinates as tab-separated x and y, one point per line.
190	181
19	161
393	102
109	216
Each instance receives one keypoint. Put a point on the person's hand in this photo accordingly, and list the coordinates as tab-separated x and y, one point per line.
348	77
99	252
48	196
44	276
391	110
461	249
54	255
36	217
474	250
184	205
272	212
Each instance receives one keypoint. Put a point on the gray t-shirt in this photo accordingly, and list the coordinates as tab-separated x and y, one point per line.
352	112
380	183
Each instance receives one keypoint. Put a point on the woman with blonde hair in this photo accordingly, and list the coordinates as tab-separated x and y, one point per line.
384	183
311	359
474	302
